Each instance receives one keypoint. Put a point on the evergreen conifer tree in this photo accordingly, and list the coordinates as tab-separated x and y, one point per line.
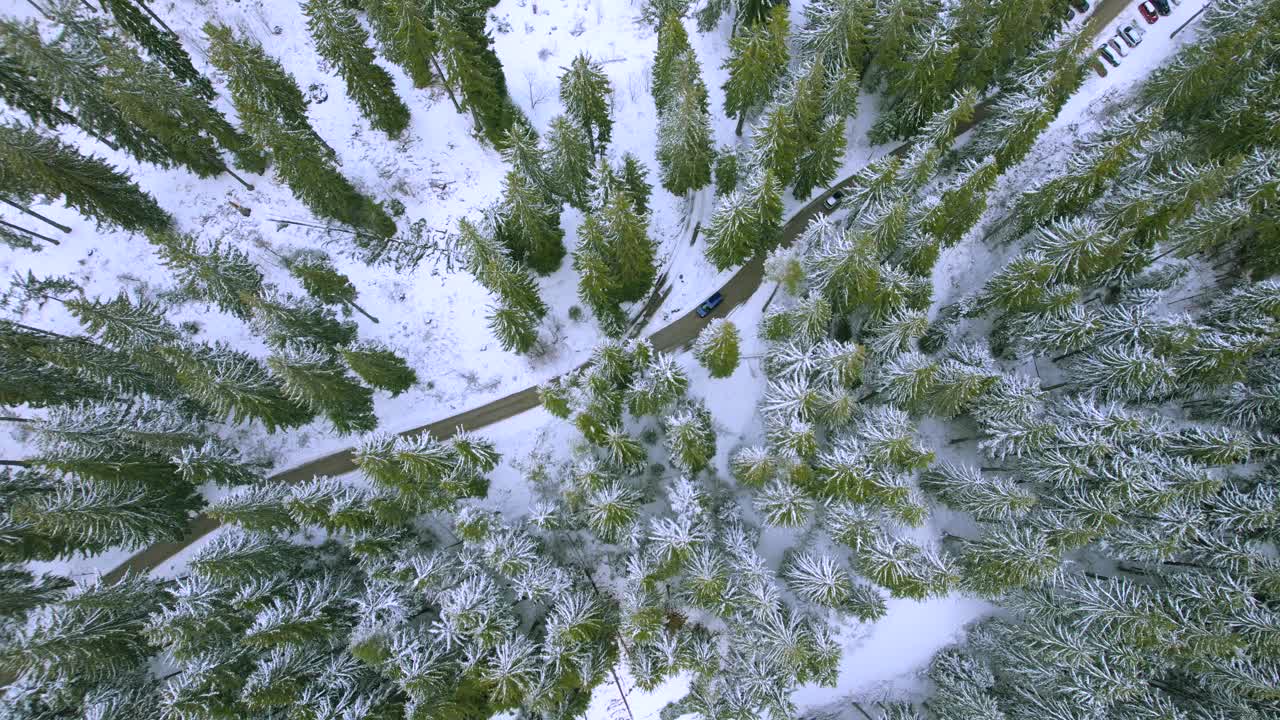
717	348
344	45
172	113
569	162
273	112
379	367
587	96
746	223
757	61
160	44
34	164
66	69
403	28
528	226
471	67
314	378
673	44
322	281
685	150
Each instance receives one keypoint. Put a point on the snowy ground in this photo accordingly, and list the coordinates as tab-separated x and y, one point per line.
435	318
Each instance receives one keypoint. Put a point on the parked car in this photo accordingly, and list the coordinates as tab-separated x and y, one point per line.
1080	6
1117	47
1098	67
1162	6
710	304
833	200
1106	55
1131	35
1148	11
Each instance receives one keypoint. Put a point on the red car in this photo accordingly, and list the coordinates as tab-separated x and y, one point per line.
1148	12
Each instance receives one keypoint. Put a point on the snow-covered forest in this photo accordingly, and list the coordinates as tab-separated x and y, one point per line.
640	359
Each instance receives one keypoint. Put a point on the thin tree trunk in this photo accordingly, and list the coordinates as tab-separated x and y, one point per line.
959	440
1055	387
316	226
444	80
362	311
865	714
1064	356
36	215
742	119
41	10
154	16
14	418
242	181
32	233
42	331
15	463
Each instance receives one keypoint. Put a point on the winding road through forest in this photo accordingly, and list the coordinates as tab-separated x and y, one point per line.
675	335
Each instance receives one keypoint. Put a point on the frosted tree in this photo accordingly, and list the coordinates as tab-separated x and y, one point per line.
717	348
690	438
33	164
587	96
314	378
529	226
745	223
403	28
163	45
837	32
758	57
569	162
379	367
322	281
470	66
685	148
344	45
273	112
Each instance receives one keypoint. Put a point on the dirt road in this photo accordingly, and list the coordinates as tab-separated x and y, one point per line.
677	334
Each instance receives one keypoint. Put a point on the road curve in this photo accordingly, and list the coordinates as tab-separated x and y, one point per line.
680	332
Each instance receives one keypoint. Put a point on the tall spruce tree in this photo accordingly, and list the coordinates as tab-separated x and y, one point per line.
472	69
273	112
587	97
403	28
757	61
343	43
685	149
162	45
36	165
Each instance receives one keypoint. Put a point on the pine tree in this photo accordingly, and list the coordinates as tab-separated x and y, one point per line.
470	66
33	164
569	162
838	33
380	367
160	44
283	318
587	96
230	383
210	272
726	171
528	226
758	58
273	112
343	43
629	247
690	438
403	29
685	149
635	179
515	328
67	70
717	348
314	378
179	119
322	281
746	223
673	45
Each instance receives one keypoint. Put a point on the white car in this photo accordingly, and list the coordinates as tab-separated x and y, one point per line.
833	200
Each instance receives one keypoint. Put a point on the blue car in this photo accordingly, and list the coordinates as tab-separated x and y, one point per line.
710	304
